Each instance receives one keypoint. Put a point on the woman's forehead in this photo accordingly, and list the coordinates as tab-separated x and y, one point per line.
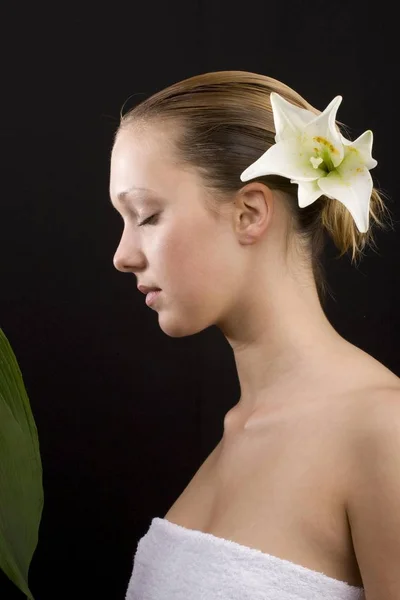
143	153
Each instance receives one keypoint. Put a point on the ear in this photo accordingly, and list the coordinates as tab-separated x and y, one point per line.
254	205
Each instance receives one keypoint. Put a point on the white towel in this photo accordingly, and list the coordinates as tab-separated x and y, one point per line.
175	563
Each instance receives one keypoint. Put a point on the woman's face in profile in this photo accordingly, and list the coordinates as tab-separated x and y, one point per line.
170	240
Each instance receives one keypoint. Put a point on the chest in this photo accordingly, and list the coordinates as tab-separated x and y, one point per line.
280	488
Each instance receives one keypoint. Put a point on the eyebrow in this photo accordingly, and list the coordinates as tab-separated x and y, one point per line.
121	196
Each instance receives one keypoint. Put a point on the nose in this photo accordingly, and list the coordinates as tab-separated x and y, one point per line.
126	258
120	262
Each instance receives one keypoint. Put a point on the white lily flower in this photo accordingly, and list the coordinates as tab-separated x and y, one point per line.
311	152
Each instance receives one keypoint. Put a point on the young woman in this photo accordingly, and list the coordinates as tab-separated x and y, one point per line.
228	183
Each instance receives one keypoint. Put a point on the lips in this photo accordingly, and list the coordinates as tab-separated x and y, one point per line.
145	290
152	296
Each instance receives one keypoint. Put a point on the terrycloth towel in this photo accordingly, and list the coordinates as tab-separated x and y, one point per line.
175	563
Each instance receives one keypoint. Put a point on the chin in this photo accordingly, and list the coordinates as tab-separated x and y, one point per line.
178	328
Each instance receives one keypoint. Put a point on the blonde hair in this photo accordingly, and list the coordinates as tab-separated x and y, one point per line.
226	124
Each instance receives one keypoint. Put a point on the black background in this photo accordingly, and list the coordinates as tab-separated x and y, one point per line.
125	414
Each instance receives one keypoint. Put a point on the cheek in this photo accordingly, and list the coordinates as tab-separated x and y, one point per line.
194	261
183	259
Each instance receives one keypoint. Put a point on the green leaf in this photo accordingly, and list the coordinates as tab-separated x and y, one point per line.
21	487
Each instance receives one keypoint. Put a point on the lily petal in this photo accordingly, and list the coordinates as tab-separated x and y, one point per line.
288	118
363	145
326	135
287	158
308	192
353	189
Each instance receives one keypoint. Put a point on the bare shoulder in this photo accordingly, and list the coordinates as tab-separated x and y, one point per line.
375	406
373	494
373	420
372	409
372	388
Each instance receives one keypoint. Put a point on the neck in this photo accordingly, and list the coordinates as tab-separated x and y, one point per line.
278	337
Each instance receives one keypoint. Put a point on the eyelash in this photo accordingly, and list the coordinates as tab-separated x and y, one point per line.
149	220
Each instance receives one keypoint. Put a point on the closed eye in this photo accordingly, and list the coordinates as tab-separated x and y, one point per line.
149	220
